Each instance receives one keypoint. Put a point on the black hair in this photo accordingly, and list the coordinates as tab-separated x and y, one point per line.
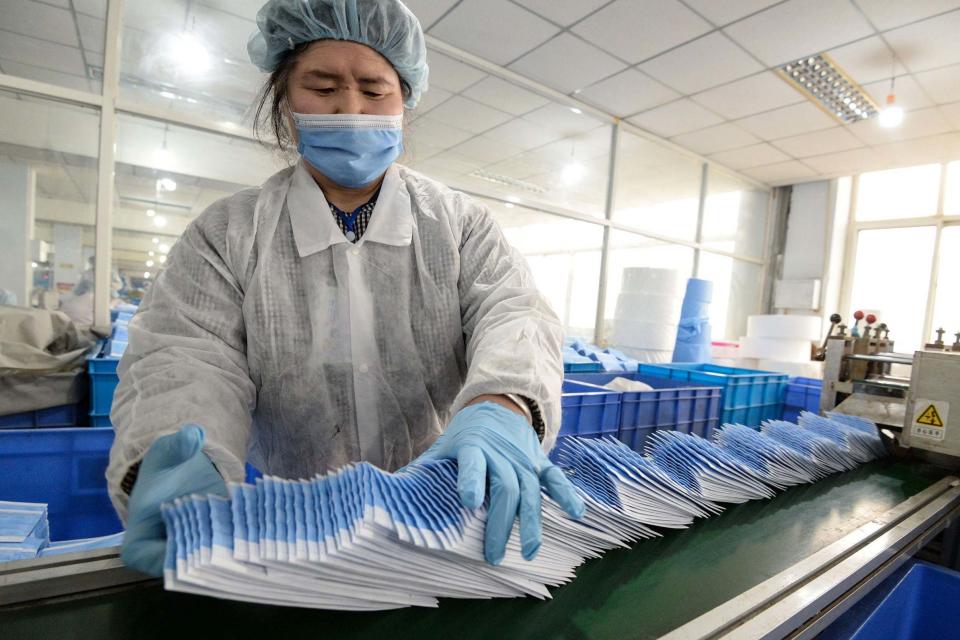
269	119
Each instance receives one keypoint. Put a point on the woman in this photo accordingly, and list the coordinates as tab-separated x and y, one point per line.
343	311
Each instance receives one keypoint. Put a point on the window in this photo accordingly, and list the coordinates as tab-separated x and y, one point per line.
951	201
564	256
735	215
737	293
165	177
912	192
946	313
657	188
891	278
49	193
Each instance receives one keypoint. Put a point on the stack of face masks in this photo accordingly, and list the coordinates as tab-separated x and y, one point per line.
362	539
24	530
25	534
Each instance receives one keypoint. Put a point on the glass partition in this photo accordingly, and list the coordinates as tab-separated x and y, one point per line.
734	215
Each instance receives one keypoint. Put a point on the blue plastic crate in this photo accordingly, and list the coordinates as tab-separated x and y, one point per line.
803	394
100	421
748	396
922	605
103	382
791	414
65	469
589	411
582	367
62	416
671	406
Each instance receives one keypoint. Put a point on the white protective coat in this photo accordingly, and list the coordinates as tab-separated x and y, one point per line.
301	352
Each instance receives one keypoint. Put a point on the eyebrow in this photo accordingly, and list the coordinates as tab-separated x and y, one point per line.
326	75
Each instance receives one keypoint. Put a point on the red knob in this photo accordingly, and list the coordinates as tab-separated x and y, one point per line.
858	315
871	318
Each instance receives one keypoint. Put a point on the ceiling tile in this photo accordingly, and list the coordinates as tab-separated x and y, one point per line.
51	76
635	30
675	118
781	173
945	146
715	139
701	64
798	28
496	30
916	124
431	98
428	11
928	44
567	63
745	97
952	113
866	60
95	8
564	12
487	150
468	115
505	96
432	134
887	14
627	92
848	162
787	121
942	85
38	21
523	134
92	32
41	54
562	120
909	94
752	156
818	142
721	13
451	74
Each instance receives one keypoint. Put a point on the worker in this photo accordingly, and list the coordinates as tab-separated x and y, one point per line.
349	309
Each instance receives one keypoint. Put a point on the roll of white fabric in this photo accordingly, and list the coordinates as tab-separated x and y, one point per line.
782	349
636	305
649	356
798	327
793	369
644	335
649	280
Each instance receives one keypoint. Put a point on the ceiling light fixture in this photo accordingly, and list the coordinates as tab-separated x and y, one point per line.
146	274
825	84
159	222
892	115
166	184
189	54
149	263
506	181
151	213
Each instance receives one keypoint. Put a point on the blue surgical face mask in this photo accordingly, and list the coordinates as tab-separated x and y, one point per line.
352	150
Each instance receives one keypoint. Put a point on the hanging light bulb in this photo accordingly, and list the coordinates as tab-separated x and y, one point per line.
151	213
891	115
573	171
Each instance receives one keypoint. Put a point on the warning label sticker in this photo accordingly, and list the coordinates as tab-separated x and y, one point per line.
930	419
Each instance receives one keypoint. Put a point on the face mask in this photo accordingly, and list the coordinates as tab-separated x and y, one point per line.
352	150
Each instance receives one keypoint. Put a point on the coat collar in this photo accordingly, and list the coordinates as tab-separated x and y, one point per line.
314	228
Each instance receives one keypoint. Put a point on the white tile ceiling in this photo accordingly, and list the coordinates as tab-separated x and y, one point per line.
497	30
702	74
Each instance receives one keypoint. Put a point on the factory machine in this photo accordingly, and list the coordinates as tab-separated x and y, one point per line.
788	567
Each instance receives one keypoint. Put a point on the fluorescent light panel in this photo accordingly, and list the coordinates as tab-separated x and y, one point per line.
822	81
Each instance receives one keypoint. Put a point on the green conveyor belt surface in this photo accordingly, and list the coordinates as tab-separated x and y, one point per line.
640	593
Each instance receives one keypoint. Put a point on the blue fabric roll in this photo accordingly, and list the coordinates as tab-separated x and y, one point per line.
699	290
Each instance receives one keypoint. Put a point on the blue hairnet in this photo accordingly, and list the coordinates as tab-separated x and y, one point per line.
387	26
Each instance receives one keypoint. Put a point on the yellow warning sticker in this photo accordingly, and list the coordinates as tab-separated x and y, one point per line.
930	419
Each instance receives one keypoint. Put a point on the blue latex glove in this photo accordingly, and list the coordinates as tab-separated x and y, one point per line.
487	438
175	465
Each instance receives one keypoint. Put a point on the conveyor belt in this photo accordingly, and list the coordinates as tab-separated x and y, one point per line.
641	593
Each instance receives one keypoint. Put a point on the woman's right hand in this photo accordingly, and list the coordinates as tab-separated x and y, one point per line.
175	465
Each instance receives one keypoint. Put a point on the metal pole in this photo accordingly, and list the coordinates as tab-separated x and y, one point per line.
605	248
701	207
108	119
